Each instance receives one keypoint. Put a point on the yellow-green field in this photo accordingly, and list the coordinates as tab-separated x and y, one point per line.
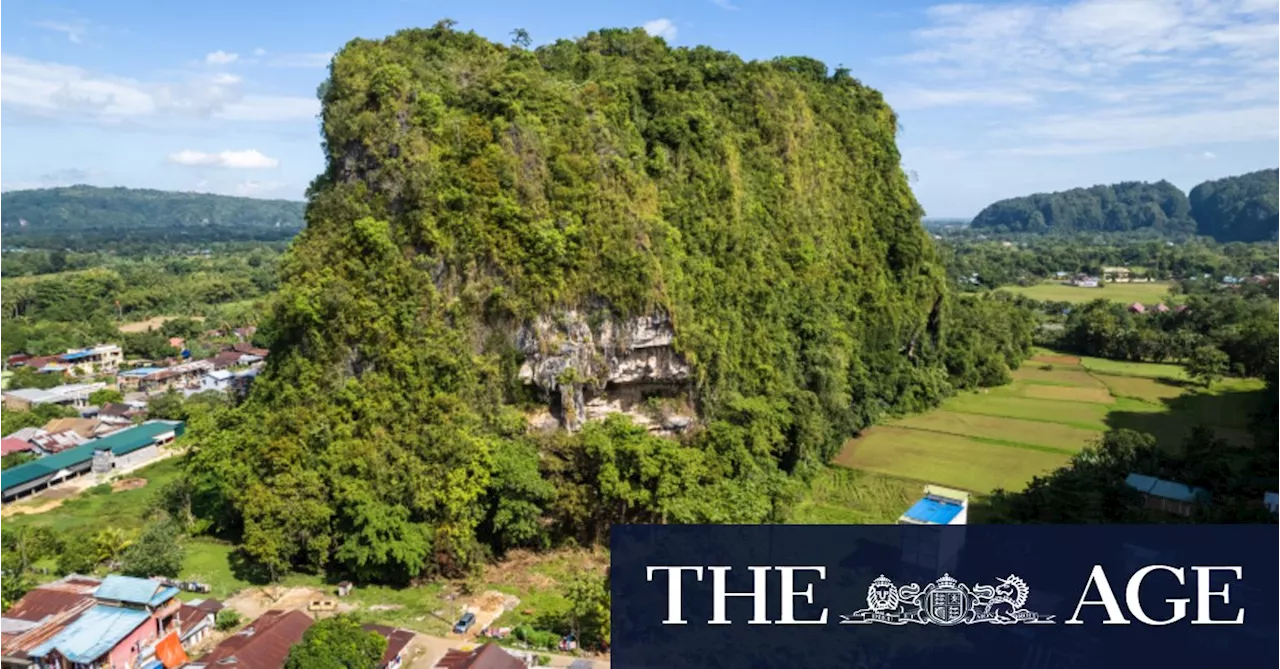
1057	404
1127	293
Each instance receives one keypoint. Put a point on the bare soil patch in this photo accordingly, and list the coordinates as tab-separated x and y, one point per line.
253	602
152	323
127	484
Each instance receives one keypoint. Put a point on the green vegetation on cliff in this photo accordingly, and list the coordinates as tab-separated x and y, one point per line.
471	187
1121	207
1243	208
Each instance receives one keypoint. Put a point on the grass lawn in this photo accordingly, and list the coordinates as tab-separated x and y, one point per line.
1084	415
1057	374
1127	293
99	507
1153	391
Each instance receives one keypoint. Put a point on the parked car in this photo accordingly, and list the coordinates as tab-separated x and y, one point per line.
464	623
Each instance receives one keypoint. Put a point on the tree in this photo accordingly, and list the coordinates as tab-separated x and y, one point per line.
75	559
168	405
17	458
520	37
110	543
158	551
588	596
27	377
1207	364
26	545
227	620
337	643
105	396
36	417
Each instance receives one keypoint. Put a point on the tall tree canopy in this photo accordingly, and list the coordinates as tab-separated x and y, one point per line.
1243	208
471	187
1115	208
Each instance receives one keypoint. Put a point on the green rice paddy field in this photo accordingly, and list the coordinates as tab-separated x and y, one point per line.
1057	404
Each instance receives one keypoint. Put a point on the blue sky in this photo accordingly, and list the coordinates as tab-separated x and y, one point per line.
996	99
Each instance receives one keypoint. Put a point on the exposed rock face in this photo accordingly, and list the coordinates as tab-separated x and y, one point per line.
592	372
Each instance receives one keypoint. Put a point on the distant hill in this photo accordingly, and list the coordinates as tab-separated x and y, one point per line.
1242	208
78	216
1116	208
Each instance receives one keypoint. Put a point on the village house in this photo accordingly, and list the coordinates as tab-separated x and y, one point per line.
100	359
156	379
1117	274
218	380
397	640
120	628
11	445
1166	496
48	443
1084	281
262	644
73	395
197	619
488	656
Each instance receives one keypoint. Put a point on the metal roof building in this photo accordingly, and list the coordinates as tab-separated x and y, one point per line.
1172	490
93	634
939	506
73	461
130	590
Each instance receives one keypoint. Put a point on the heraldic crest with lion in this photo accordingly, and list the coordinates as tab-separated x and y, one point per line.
946	602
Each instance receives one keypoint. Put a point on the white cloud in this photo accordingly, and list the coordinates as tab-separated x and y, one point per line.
249	159
73	31
50	90
1209	155
259	51
1095	76
221	57
663	28
725	4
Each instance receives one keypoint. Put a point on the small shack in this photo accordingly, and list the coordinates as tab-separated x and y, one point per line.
344	588
1167	496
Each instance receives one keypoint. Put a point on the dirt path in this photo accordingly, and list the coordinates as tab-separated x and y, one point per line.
152	323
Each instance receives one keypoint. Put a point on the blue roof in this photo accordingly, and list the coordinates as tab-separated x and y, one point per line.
134	590
93	634
934	511
1178	492
140	371
77	355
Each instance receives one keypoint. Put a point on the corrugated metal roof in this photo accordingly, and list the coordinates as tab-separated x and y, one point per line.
934	511
120	443
93	634
134	590
1150	485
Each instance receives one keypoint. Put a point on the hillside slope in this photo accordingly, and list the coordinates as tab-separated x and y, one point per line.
725	252
1120	207
75	214
1244	208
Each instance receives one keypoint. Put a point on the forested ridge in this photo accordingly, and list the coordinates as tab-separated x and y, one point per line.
1243	208
83	217
1115	208
471	187
1234	209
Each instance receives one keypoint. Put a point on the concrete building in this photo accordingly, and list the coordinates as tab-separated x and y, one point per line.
153	379
219	380
1117	274
100	359
1167	496
73	395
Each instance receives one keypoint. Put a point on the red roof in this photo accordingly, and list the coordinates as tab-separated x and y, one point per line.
488	656
264	644
397	639
48	608
1137	307
10	445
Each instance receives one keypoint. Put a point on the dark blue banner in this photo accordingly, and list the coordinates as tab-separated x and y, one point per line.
945	597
